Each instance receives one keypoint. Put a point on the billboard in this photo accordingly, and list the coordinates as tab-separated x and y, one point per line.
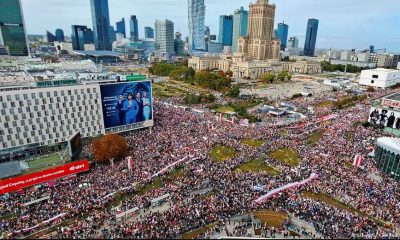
127	105
18	183
75	146
384	118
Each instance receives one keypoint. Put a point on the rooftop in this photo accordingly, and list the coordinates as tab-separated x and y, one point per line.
95	53
382	70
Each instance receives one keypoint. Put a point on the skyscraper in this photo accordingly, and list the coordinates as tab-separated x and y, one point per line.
112	34
179	44
81	35
225	30
148	32
121	27
196	13
60	35
12	28
51	38
311	37
282	34
293	42
240	21
101	24
259	44
134	28
164	30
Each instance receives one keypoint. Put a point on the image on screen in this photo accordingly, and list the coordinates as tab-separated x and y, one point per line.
75	146
126	103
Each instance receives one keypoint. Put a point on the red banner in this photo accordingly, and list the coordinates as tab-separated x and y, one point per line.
17	183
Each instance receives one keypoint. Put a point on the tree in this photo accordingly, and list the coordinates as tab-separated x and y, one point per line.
370	89
162	69
182	73
282	76
234	92
109	148
268	77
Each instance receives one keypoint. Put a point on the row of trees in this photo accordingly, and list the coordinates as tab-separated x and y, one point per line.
328	67
349	101
273	77
213	81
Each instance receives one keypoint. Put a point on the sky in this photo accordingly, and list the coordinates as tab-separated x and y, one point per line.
344	24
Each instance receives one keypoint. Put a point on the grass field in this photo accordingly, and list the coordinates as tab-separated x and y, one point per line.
253	143
155	184
161	90
287	155
221	153
258	165
42	162
272	219
224	109
195	233
314	138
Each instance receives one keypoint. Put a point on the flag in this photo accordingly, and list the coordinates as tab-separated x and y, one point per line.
130	163
357	161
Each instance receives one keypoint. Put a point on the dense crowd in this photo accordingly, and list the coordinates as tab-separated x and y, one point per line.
178	134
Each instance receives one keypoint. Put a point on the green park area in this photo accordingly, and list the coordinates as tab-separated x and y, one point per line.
253	142
288	156
314	138
45	161
163	90
196	233
221	153
256	166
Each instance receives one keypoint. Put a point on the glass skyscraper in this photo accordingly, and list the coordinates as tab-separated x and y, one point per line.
12	28
81	35
240	22
196	13
134	26
51	38
164	30
282	34
101	24
311	37
148	32
225	30
60	35
121	27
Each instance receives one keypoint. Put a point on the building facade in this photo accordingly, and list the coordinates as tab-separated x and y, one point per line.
101	24
379	78
387	156
121	27
12	28
51	38
283	30
134	28
80	36
214	47
302	67
311	37
240	23
259	45
225	30
196	14
293	42
164	31
60	35
179	45
148	32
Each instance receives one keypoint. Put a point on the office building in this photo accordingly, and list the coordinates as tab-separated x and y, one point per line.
207	33
215	47
293	42
113	36
179	45
12	28
80	36
380	78
60	35
283	30
121	27
101	24
148	32
134	28
196	13
164	33
311	37
240	22
259	45
50	37
225	30
213	37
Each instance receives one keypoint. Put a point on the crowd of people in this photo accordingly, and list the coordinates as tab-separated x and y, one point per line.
88	211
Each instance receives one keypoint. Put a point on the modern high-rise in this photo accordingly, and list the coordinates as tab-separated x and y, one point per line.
80	36
311	37
196	14
283	30
179	44
164	30
293	42
101	24
60	35
134	28
148	32
121	27
225	30
12	28
51	38
240	21
259	44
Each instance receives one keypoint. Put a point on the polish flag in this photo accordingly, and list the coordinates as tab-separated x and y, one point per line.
357	161
130	163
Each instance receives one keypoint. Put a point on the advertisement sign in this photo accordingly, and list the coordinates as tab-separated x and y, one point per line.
75	146
135	77
127	105
17	183
391	103
384	118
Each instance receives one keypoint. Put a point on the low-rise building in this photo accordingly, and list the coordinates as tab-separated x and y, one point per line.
379	78
303	67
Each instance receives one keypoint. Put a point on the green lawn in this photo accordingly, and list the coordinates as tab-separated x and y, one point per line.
314	138
224	109
195	233
176	173
287	155
161	90
221	153
258	165
155	184
45	162
253	142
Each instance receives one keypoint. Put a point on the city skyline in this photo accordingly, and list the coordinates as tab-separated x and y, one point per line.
373	20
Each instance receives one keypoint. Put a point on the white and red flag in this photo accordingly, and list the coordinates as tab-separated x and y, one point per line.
357	161
130	163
